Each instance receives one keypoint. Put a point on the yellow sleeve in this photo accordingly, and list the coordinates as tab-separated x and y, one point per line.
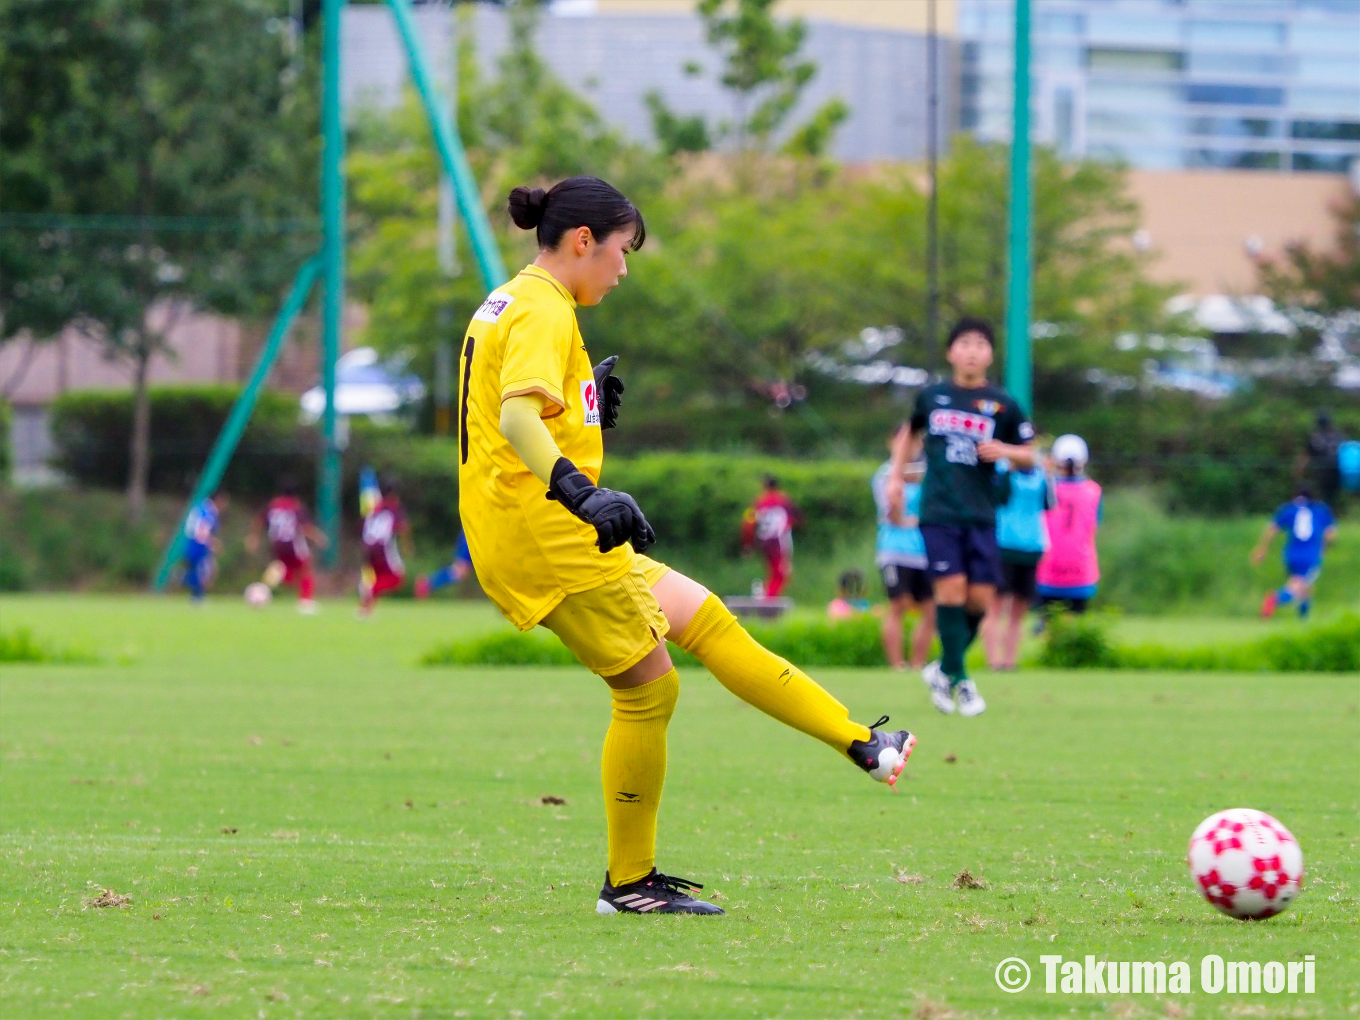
537	346
523	428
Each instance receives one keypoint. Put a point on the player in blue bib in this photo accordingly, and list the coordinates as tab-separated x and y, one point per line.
201	544
1309	527
900	554
1022	539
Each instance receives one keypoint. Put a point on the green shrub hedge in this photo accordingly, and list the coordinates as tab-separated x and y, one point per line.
852	642
694	501
1227	456
55	538
1082	642
92	430
1231	456
1328	648
1077	642
1072	643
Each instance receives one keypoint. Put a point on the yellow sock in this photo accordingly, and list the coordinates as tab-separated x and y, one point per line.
761	678
633	769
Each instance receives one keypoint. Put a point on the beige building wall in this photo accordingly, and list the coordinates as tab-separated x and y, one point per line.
1208	227
900	15
201	349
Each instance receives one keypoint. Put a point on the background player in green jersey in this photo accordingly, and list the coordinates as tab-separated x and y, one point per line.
965	426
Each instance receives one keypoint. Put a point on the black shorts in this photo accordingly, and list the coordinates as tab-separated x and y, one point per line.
912	581
1018	579
963	549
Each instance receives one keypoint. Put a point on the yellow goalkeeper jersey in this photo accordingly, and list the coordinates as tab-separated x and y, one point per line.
529	552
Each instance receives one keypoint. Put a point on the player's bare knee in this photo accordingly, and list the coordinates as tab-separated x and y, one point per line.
979	597
652	666
680	598
951	590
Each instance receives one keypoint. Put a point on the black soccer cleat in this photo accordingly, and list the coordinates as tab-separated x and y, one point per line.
883	755
653	894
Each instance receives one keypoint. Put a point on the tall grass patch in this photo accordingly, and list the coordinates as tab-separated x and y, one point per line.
20	645
1083	642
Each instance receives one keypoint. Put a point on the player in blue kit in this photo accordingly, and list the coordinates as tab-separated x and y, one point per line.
453	573
1309	527
200	545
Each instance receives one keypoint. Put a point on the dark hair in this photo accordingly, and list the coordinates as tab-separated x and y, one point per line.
287	486
1324	420
1303	492
575	202
852	583
771	482
970	325
389	485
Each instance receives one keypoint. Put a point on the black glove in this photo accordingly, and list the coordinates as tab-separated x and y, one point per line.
615	516
609	392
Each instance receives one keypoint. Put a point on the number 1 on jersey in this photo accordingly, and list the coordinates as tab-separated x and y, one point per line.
463	404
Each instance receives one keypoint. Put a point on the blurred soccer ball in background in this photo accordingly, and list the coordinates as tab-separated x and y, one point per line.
258	594
1246	863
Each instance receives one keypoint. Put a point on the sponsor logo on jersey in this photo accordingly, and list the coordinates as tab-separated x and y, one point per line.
989	407
976	427
1026	431
496	302
590	402
941	399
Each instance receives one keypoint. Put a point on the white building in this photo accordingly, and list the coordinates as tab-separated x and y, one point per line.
1247	84
869	53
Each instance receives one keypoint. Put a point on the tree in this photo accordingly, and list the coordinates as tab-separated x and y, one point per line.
675	132
164	153
765	76
815	136
757	269
522	126
753	283
1325	281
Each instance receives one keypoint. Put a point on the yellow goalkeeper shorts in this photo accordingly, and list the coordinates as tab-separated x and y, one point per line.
651	569
612	628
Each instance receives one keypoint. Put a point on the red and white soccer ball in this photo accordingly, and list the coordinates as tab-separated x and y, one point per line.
1246	863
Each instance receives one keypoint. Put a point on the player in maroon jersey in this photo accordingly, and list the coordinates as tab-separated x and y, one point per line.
768	525
287	524
385	530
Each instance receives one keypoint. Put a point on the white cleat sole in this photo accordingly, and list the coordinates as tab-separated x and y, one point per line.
892	761
975	707
941	694
603	907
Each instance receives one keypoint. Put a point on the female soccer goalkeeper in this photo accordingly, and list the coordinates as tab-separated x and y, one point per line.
551	547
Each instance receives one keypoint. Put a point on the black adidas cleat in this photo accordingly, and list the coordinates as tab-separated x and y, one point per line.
883	755
654	894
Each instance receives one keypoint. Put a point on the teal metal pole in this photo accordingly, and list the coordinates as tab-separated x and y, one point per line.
450	147
332	312
241	411
1019	368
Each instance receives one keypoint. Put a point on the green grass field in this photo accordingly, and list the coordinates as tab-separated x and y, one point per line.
309	824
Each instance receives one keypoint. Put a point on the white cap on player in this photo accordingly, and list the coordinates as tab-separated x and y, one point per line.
1070	447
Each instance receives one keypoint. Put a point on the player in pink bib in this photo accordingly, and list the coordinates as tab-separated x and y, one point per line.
1070	570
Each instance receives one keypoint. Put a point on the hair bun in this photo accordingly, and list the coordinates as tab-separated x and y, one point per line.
527	205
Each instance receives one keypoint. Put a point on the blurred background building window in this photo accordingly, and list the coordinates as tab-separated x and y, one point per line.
1111	76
